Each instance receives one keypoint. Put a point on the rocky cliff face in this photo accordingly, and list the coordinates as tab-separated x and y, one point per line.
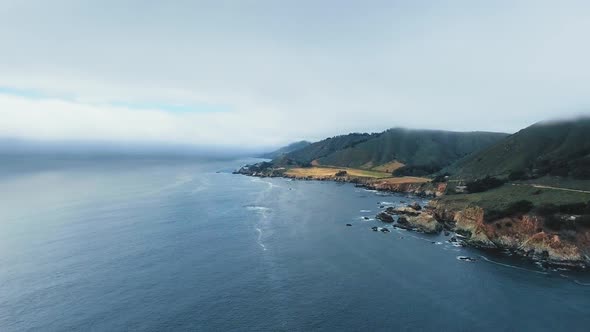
525	235
413	218
424	222
422	189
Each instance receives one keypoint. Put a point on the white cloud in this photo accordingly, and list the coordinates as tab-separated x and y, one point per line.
288	71
55	119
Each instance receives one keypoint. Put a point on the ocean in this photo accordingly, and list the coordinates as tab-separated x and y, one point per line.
156	243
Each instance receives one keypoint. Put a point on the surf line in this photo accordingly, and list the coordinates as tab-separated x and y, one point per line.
574	280
260	239
512	266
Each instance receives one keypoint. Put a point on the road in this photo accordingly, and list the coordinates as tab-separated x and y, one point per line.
550	187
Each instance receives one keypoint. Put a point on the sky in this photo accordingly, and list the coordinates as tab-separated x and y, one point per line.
250	74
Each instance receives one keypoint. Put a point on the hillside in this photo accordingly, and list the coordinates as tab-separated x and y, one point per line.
412	147
285	149
325	147
431	148
528	192
559	149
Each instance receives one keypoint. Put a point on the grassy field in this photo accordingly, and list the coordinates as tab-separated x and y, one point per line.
404	179
388	167
501	197
325	171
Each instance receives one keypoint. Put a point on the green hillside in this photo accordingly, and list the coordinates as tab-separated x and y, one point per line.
422	151
559	149
325	147
412	147
286	149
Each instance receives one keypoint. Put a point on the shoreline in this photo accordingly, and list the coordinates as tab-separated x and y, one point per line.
467	223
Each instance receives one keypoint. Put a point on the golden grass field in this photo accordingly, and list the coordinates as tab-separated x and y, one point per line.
384	168
404	179
323	172
327	172
388	167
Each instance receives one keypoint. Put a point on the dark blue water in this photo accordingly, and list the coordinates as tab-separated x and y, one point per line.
145	244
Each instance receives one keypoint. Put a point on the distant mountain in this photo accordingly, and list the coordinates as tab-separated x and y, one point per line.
286	149
559	148
429	149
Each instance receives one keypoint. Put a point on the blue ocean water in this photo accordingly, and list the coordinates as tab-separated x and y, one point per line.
158	244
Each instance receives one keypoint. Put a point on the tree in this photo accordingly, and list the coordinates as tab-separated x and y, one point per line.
484	184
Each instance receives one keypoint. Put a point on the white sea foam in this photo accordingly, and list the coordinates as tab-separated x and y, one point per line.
257	208
268	183
575	280
260	239
511	266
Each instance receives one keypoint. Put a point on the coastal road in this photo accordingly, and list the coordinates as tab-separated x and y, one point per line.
550	187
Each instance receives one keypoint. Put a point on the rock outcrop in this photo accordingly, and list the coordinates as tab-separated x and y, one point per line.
525	235
410	218
408	211
423	222
426	223
384	217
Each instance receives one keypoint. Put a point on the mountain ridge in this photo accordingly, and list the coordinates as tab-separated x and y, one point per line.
557	148
414	147
285	149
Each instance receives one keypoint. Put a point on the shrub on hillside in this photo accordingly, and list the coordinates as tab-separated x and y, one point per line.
553	222
572	208
484	184
580	169
555	219
341	173
517	208
576	166
584	221
416	170
440	178
517	175
547	209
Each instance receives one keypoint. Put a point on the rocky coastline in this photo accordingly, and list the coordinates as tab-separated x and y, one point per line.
420	189
523	235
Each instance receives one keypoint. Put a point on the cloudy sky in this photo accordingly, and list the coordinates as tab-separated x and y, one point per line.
264	73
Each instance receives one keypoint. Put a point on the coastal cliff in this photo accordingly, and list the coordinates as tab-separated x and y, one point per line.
427	189
525	235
